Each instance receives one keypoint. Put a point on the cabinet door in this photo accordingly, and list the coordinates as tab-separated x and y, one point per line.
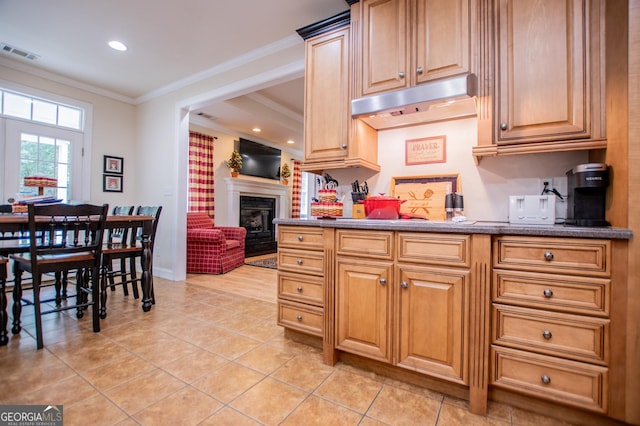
363	298
543	73
433	321
384	45
327	109
442	39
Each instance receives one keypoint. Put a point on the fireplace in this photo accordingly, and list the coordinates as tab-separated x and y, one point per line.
256	216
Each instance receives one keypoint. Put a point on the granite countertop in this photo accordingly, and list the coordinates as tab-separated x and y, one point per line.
467	227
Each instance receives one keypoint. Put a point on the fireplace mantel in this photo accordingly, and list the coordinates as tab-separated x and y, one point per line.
243	186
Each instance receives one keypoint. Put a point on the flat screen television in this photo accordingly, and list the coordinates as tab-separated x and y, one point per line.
259	160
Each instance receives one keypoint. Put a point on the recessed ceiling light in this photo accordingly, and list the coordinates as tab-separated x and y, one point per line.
290	142
257	129
117	45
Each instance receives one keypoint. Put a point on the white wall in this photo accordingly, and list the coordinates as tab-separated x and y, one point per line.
486	187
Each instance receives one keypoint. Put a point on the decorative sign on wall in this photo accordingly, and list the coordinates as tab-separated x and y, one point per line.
426	150
424	195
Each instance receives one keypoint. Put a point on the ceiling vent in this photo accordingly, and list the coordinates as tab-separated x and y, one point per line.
207	116
20	52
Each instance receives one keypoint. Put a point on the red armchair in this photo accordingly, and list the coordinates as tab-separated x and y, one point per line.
213	249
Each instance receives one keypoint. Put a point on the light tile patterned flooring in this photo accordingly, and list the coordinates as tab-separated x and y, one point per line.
208	355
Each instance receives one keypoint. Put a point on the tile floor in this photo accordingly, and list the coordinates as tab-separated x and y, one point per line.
203	356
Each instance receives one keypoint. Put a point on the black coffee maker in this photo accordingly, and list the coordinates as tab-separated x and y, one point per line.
587	185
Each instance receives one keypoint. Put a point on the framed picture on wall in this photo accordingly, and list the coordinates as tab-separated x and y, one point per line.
112	183
113	165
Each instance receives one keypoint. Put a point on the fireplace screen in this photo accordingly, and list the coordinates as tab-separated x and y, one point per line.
256	216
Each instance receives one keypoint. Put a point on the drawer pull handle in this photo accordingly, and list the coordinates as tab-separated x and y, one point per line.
299	317
383	281
299	261
404	284
548	293
300	238
547	334
545	379
548	256
299	289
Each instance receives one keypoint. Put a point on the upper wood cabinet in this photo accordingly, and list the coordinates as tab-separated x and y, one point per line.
545	92
327	110
332	139
408	42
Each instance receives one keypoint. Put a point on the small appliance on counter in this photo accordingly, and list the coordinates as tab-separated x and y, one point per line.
453	206
587	186
532	209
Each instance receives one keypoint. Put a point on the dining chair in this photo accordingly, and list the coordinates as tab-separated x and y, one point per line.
4	318
63	237
129	249
116	238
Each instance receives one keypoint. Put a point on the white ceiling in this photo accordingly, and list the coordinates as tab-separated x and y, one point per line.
169	41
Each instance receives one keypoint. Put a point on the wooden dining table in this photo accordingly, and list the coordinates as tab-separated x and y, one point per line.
19	222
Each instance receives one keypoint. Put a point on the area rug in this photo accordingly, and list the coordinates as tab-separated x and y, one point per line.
269	262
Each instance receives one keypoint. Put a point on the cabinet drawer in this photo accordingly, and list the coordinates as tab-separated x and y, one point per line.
301	237
590	296
304	318
301	288
372	244
301	262
560	255
569	336
436	249
568	382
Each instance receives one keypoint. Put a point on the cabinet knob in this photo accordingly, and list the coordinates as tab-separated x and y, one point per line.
383	281
344	146
548	256
299	289
300	238
419	71
404	284
401	75
547	334
503	126
299	261
548	293
299	317
545	379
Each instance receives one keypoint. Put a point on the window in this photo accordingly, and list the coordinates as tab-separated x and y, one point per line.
46	156
40	110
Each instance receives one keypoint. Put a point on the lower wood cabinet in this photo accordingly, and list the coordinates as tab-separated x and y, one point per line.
569	382
550	319
433	318
414	316
363	307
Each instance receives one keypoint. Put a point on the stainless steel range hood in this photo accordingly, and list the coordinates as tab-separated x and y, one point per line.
433	101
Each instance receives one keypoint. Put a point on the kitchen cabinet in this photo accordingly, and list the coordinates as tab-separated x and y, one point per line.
544	77
301	278
550	319
332	139
408	42
392	306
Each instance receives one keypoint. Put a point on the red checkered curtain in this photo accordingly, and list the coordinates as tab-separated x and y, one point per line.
297	189
201	166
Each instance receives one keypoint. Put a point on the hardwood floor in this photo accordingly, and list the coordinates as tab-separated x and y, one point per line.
248	281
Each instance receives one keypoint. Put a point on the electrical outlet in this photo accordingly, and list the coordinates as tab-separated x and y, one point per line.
548	180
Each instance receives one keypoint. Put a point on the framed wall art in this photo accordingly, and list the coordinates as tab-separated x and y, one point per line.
112	183
426	150
113	165
424	195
